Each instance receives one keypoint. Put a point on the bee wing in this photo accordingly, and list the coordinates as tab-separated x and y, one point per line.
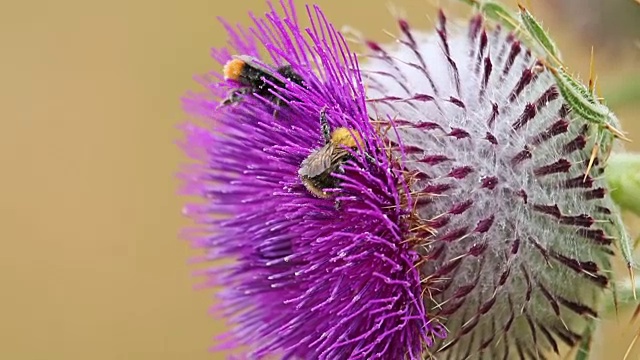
254	63
318	162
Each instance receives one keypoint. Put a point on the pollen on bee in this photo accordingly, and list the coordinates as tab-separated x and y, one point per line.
346	137
233	69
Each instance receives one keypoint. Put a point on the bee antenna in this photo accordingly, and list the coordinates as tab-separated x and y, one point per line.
324	125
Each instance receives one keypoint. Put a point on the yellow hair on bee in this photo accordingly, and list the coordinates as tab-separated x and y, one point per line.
346	137
233	69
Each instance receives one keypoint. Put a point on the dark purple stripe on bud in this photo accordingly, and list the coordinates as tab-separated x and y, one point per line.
525	79
528	113
410	149
374	46
504	276
550	298
567	336
406	30
478	249
435	252
552	210
438	222
442	32
489	182
434	159
492	139
543	251
448	267
485	344
460	172
559	127
457	102
449	344
442	29
507	325
464	290
474	27
459	133
548	96
484	308
454	234
576	144
587	268
515	50
451	307
421	97
460	208
521	156
527	279
435	189
598	193
515	246
523	195
488	66
597	235
495	111
578	182
416	97
550	338
578	308
560	166
484	225
582	220
484	39
423	125
469	325
532	328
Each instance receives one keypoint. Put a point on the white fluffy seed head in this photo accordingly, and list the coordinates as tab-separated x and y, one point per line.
524	239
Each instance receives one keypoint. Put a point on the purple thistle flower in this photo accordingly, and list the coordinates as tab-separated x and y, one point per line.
309	279
524	240
465	204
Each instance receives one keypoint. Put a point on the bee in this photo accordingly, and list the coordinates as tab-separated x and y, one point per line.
316	170
256	79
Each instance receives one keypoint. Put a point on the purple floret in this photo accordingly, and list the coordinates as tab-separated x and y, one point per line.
309	279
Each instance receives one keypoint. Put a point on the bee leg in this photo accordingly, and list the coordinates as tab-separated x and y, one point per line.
324	125
337	205
234	97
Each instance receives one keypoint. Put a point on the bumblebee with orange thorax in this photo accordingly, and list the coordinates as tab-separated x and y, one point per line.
256	79
317	169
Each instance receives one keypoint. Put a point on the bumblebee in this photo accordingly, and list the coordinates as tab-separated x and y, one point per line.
317	169
256	79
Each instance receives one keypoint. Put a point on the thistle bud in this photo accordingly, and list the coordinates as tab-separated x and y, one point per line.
524	234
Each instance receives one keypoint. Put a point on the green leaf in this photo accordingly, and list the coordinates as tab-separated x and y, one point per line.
496	12
538	33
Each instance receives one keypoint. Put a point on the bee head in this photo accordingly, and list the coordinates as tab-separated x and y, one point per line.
346	137
233	69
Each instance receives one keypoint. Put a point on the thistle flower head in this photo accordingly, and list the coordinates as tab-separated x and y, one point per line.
524	237
322	278
454	215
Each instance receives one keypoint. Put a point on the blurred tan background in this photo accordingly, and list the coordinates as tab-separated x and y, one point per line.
91	266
